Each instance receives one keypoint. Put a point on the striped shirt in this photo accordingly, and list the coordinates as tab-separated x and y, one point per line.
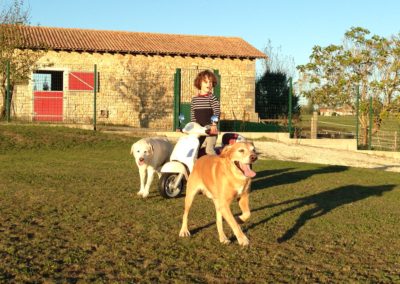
203	107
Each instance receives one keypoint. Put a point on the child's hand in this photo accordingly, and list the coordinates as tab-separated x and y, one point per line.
213	129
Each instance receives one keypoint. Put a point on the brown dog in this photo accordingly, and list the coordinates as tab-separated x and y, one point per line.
223	178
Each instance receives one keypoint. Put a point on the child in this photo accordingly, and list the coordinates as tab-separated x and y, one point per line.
205	105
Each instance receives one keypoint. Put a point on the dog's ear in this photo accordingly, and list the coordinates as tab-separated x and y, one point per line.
132	149
151	149
226	151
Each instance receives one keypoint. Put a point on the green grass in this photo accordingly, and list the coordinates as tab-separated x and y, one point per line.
346	123
69	213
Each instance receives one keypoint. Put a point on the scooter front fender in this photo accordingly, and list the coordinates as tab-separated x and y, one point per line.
174	167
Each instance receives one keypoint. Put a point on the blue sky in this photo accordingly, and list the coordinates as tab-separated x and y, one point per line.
294	26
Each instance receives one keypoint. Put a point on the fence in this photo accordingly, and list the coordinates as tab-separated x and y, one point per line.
79	94
364	123
85	94
126	96
275	104
326	125
376	131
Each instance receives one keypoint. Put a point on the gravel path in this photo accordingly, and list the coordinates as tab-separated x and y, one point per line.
301	153
310	154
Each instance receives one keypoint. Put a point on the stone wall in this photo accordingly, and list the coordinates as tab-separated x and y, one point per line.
137	90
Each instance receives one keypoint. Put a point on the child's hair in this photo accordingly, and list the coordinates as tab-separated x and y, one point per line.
205	74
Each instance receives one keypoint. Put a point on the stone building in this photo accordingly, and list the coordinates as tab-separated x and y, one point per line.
137	82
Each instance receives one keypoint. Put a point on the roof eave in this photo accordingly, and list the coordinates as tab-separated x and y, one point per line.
149	53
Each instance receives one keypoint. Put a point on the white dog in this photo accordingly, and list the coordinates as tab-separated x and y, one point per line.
150	154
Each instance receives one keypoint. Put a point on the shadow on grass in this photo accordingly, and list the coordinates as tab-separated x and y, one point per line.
270	178
323	202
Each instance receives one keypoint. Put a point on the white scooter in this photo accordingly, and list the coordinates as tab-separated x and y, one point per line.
175	173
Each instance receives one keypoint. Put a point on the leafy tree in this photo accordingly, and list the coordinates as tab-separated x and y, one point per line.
21	61
370	63
272	87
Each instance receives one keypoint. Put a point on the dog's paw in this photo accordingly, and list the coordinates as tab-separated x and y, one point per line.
243	218
184	233
224	240
243	241
140	193
145	194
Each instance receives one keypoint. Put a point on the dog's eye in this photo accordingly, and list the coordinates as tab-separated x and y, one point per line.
241	150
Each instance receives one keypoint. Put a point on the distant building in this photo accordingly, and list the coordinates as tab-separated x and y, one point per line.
62	84
340	111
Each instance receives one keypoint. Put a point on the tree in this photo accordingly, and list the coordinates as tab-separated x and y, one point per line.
370	63
277	62
272	96
272	87
21	60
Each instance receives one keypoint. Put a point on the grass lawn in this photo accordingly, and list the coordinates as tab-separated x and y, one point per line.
346	123
69	213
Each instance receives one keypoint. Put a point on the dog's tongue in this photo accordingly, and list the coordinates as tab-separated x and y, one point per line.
247	171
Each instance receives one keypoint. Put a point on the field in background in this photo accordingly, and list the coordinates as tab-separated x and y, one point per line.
345	123
386	139
334	123
69	212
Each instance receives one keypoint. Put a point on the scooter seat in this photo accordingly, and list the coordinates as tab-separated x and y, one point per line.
229	138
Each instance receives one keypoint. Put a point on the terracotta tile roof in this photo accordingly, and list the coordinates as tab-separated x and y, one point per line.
136	42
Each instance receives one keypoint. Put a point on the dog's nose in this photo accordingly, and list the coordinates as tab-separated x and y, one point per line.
253	157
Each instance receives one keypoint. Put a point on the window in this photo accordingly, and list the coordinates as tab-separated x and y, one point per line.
45	80
81	81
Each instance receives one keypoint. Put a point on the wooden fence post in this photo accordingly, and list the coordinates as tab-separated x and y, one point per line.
314	125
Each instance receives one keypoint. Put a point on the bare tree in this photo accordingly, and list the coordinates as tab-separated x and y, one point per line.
12	52
277	62
272	89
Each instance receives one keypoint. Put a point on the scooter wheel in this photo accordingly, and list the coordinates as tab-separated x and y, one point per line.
166	186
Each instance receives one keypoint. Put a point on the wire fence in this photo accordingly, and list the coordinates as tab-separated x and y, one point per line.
387	136
335	127
140	98
371	131
126	95
386	141
275	103
76	94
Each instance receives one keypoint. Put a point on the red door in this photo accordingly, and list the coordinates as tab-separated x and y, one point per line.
48	106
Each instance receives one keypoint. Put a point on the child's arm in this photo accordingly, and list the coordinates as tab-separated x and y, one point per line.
192	118
215	106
